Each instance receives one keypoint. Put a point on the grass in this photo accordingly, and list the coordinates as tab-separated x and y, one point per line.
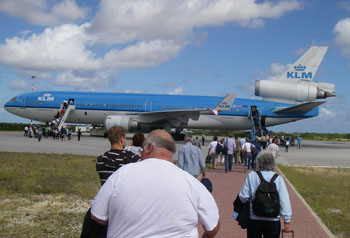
45	195
327	191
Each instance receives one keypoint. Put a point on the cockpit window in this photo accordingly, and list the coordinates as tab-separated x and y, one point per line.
13	100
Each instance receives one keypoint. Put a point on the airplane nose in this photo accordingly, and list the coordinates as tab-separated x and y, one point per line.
6	106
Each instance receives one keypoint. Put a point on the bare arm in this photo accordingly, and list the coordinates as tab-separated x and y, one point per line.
98	221
212	233
287	227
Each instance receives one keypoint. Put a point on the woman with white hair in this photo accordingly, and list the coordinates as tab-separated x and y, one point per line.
259	226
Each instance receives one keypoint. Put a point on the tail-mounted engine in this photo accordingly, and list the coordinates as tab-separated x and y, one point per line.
298	91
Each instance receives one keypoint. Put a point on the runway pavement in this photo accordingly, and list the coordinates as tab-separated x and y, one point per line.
316	153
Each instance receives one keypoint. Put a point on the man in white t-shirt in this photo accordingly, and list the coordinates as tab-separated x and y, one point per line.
155	198
273	148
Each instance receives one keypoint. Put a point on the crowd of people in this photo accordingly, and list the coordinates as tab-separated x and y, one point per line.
47	131
52	128
144	194
237	150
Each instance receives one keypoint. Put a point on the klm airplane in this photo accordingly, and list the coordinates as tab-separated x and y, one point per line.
292	97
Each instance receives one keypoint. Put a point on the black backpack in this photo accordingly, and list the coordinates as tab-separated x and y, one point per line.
266	201
218	148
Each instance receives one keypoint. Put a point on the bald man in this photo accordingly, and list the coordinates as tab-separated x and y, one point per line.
155	198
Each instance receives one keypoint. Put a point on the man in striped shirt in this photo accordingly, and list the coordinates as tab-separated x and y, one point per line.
106	165
116	157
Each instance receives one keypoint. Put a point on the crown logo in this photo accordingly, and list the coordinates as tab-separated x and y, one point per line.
299	68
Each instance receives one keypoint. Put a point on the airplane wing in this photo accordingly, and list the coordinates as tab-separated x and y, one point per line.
178	117
299	108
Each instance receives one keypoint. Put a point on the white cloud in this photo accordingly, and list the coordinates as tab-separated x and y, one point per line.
133	91
276	70
84	81
18	84
140	33
120	21
63	47
38	12
334	117
345	5
342	35
273	73
176	91
142	54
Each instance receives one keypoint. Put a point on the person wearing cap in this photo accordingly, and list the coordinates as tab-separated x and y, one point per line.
161	201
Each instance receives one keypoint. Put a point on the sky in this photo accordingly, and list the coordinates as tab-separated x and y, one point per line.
189	47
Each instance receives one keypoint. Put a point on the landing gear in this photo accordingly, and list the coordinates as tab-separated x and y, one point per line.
178	135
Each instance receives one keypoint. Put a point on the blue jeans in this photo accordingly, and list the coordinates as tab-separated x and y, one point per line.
228	163
258	228
247	160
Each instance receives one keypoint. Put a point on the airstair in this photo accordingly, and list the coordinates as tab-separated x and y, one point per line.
65	115
255	120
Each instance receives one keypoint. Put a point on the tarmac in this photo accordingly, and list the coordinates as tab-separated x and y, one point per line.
305	222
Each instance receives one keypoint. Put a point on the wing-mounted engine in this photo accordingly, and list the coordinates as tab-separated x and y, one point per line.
293	91
129	123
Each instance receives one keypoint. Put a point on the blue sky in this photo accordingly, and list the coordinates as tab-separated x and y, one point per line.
192	47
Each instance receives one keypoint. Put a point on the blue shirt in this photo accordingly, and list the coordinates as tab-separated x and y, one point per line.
231	145
190	159
252	183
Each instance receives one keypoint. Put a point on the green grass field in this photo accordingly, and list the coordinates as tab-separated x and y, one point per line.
47	195
327	191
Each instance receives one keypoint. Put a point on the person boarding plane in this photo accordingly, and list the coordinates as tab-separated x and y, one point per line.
294	96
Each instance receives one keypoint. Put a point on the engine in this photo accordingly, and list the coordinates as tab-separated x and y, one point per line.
293	91
127	122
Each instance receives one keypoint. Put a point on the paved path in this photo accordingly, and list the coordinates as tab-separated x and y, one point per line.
227	186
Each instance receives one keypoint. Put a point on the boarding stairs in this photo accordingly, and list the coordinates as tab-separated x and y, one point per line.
65	115
255	121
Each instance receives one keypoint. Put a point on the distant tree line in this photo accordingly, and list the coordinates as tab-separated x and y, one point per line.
307	136
12	126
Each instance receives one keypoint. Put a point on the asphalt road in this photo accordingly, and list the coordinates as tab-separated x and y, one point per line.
316	153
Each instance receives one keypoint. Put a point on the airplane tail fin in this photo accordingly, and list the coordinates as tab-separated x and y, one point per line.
296	84
307	65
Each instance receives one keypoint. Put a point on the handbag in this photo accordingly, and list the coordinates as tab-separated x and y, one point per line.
224	150
208	159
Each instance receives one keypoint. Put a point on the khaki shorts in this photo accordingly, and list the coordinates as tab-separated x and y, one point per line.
214	156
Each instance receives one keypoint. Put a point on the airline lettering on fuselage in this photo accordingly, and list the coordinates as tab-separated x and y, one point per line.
299	75
224	105
46	98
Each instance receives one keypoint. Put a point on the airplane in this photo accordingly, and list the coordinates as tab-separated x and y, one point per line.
290	98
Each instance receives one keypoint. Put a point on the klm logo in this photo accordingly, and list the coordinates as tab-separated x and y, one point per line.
46	98
224	105
299	73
